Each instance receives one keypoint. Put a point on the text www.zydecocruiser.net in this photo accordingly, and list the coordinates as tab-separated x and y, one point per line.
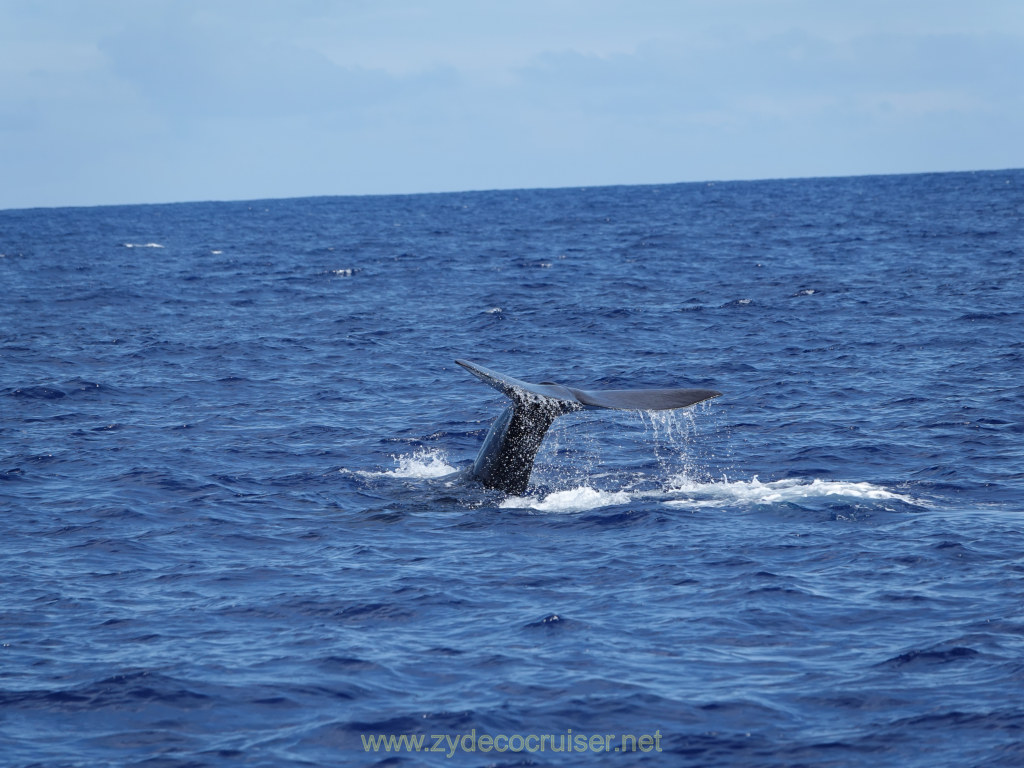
450	744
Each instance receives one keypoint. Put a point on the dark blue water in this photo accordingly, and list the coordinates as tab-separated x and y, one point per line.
233	532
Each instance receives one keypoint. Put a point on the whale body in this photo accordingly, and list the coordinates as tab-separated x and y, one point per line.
505	460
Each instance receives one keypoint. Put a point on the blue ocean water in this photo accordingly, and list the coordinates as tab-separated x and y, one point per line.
235	532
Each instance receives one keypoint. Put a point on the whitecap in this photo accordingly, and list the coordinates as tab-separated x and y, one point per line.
142	245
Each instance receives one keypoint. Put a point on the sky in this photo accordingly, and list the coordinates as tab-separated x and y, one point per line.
145	101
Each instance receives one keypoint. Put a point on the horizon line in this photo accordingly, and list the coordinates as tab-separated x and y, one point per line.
470	191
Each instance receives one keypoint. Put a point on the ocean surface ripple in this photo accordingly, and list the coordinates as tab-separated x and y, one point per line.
238	528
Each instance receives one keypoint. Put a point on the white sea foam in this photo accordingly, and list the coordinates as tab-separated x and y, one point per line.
573	500
685	492
681	490
774	492
423	464
143	245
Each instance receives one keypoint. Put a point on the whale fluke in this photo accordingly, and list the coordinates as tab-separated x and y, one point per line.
506	457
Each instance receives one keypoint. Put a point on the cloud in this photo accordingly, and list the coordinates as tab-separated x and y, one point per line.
790	74
183	68
181	99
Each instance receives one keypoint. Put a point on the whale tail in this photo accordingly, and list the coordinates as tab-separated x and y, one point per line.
506	457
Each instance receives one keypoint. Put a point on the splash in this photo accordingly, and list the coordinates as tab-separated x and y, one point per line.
675	441
674	437
422	464
578	499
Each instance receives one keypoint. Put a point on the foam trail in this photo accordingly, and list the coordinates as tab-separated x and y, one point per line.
753	491
682	491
